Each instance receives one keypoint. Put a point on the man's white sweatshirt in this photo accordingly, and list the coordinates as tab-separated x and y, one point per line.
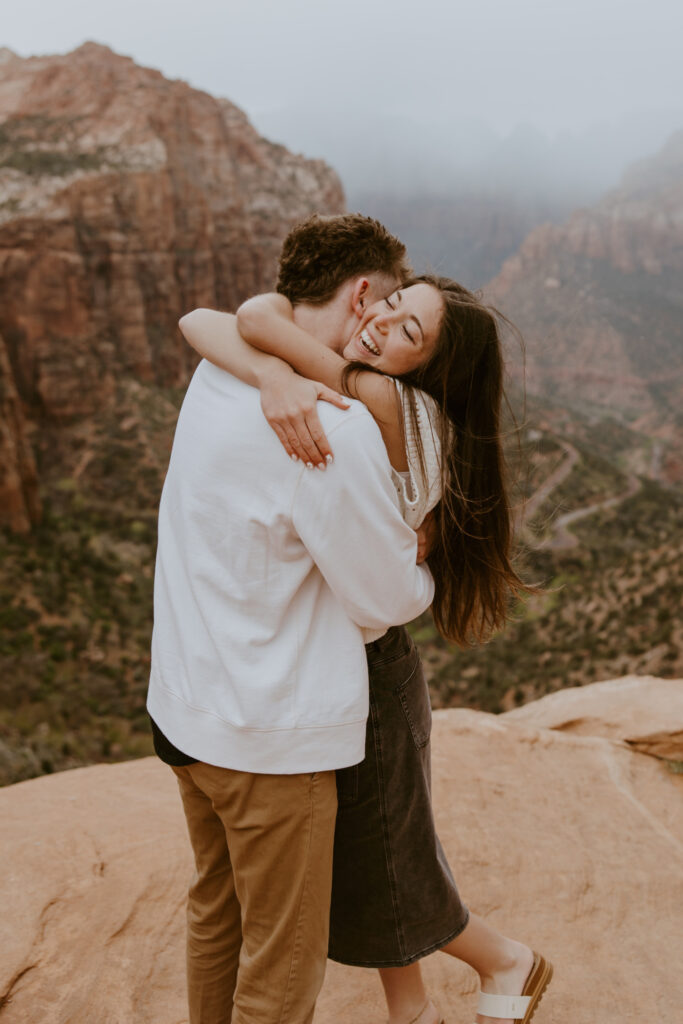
266	571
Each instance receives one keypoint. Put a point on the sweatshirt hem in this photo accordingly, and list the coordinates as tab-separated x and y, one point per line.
203	735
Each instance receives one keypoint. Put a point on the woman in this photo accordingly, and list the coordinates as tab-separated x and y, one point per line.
394	899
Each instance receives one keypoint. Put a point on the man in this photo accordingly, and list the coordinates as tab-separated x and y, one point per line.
258	690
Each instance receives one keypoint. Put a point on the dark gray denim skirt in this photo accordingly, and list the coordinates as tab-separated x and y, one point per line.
393	895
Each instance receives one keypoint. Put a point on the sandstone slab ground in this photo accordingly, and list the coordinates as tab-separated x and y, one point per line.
572	843
645	712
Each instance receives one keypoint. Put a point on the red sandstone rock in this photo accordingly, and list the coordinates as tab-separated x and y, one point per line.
598	299
645	712
571	842
127	199
18	480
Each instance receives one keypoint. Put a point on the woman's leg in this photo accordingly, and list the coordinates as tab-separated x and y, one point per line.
392	892
407	999
502	964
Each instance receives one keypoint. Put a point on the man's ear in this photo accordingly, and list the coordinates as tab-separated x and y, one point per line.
360	296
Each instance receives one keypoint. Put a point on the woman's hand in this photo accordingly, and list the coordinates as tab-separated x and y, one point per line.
426	535
289	405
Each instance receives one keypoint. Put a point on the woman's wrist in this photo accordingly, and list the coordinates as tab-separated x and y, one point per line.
273	372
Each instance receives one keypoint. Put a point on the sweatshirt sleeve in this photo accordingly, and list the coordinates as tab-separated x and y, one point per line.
349	520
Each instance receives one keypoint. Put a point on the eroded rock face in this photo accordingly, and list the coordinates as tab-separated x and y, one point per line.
573	843
127	199
598	299
18	479
645	712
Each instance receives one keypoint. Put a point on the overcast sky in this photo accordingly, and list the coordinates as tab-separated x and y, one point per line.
559	67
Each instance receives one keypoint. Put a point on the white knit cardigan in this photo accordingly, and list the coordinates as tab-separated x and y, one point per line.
419	489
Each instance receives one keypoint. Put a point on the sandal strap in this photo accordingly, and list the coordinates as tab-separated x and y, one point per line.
417	1017
513	1007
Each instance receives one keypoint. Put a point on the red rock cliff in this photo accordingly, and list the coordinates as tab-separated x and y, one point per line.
598	299
19	504
125	200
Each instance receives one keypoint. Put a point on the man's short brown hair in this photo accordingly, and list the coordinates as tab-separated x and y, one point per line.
321	253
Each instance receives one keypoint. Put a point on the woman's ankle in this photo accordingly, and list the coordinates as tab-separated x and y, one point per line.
513	957
426	1014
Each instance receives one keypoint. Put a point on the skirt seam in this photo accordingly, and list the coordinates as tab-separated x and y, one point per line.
385	831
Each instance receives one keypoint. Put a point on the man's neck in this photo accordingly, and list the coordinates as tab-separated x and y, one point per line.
326	323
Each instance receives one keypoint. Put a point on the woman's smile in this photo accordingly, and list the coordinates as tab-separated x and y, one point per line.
399	333
367	342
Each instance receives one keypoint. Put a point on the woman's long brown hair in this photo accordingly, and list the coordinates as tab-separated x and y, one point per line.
471	556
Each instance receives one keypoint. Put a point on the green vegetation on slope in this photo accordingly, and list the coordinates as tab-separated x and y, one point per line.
39	145
611	606
76	596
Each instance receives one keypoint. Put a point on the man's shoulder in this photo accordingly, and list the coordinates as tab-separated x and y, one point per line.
354	421
213	392
353	430
218	409
207	374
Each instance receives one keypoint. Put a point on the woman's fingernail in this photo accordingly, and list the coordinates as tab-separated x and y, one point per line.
328	459
321	465
294	458
309	465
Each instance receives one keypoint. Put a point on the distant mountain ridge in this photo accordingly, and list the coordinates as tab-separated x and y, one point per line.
599	298
467	235
125	200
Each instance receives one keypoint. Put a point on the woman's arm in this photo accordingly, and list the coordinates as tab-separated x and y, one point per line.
266	322
216	337
288	401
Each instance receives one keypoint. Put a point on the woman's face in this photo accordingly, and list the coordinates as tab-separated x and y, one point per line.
399	333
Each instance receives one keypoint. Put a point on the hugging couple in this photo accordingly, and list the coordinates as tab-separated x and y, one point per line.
284	692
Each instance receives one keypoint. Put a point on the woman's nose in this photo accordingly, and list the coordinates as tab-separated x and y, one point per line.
382	324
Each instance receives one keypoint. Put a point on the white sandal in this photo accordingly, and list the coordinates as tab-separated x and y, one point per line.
519	1008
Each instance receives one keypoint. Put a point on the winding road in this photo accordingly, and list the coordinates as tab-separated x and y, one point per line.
560	538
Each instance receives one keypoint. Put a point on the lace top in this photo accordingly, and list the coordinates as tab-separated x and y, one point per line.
419	490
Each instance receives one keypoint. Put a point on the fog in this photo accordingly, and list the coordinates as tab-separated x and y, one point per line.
439	97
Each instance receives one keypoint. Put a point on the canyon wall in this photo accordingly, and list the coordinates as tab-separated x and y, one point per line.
599	300
126	199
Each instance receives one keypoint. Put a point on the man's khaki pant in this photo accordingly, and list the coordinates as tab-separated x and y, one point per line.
258	908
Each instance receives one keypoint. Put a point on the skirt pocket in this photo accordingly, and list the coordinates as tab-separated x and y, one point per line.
414	697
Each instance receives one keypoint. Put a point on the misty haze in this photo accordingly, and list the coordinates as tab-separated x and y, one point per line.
460	194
